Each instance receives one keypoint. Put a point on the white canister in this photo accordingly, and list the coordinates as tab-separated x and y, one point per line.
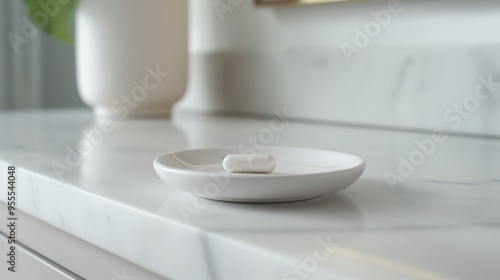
132	56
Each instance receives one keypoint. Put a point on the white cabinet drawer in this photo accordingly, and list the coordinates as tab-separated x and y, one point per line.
30	265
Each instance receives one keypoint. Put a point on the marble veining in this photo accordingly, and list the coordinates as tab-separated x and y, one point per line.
404	87
440	222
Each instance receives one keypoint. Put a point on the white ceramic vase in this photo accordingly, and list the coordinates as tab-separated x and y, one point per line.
131	56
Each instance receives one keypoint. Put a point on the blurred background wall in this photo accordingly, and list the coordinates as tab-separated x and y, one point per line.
410	73
249	59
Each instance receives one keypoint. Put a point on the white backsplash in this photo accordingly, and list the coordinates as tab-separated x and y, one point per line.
428	58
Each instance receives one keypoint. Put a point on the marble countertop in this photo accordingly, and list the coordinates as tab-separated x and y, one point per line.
427	207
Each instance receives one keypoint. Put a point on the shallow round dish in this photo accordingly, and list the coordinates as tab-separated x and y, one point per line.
300	174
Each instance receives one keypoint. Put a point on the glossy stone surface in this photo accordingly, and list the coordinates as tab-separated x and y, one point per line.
440	221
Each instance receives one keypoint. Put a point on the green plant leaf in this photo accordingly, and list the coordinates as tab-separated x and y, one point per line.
53	17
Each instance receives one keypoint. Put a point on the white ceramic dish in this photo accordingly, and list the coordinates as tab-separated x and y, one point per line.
300	174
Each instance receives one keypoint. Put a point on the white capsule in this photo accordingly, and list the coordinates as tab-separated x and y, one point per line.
249	163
